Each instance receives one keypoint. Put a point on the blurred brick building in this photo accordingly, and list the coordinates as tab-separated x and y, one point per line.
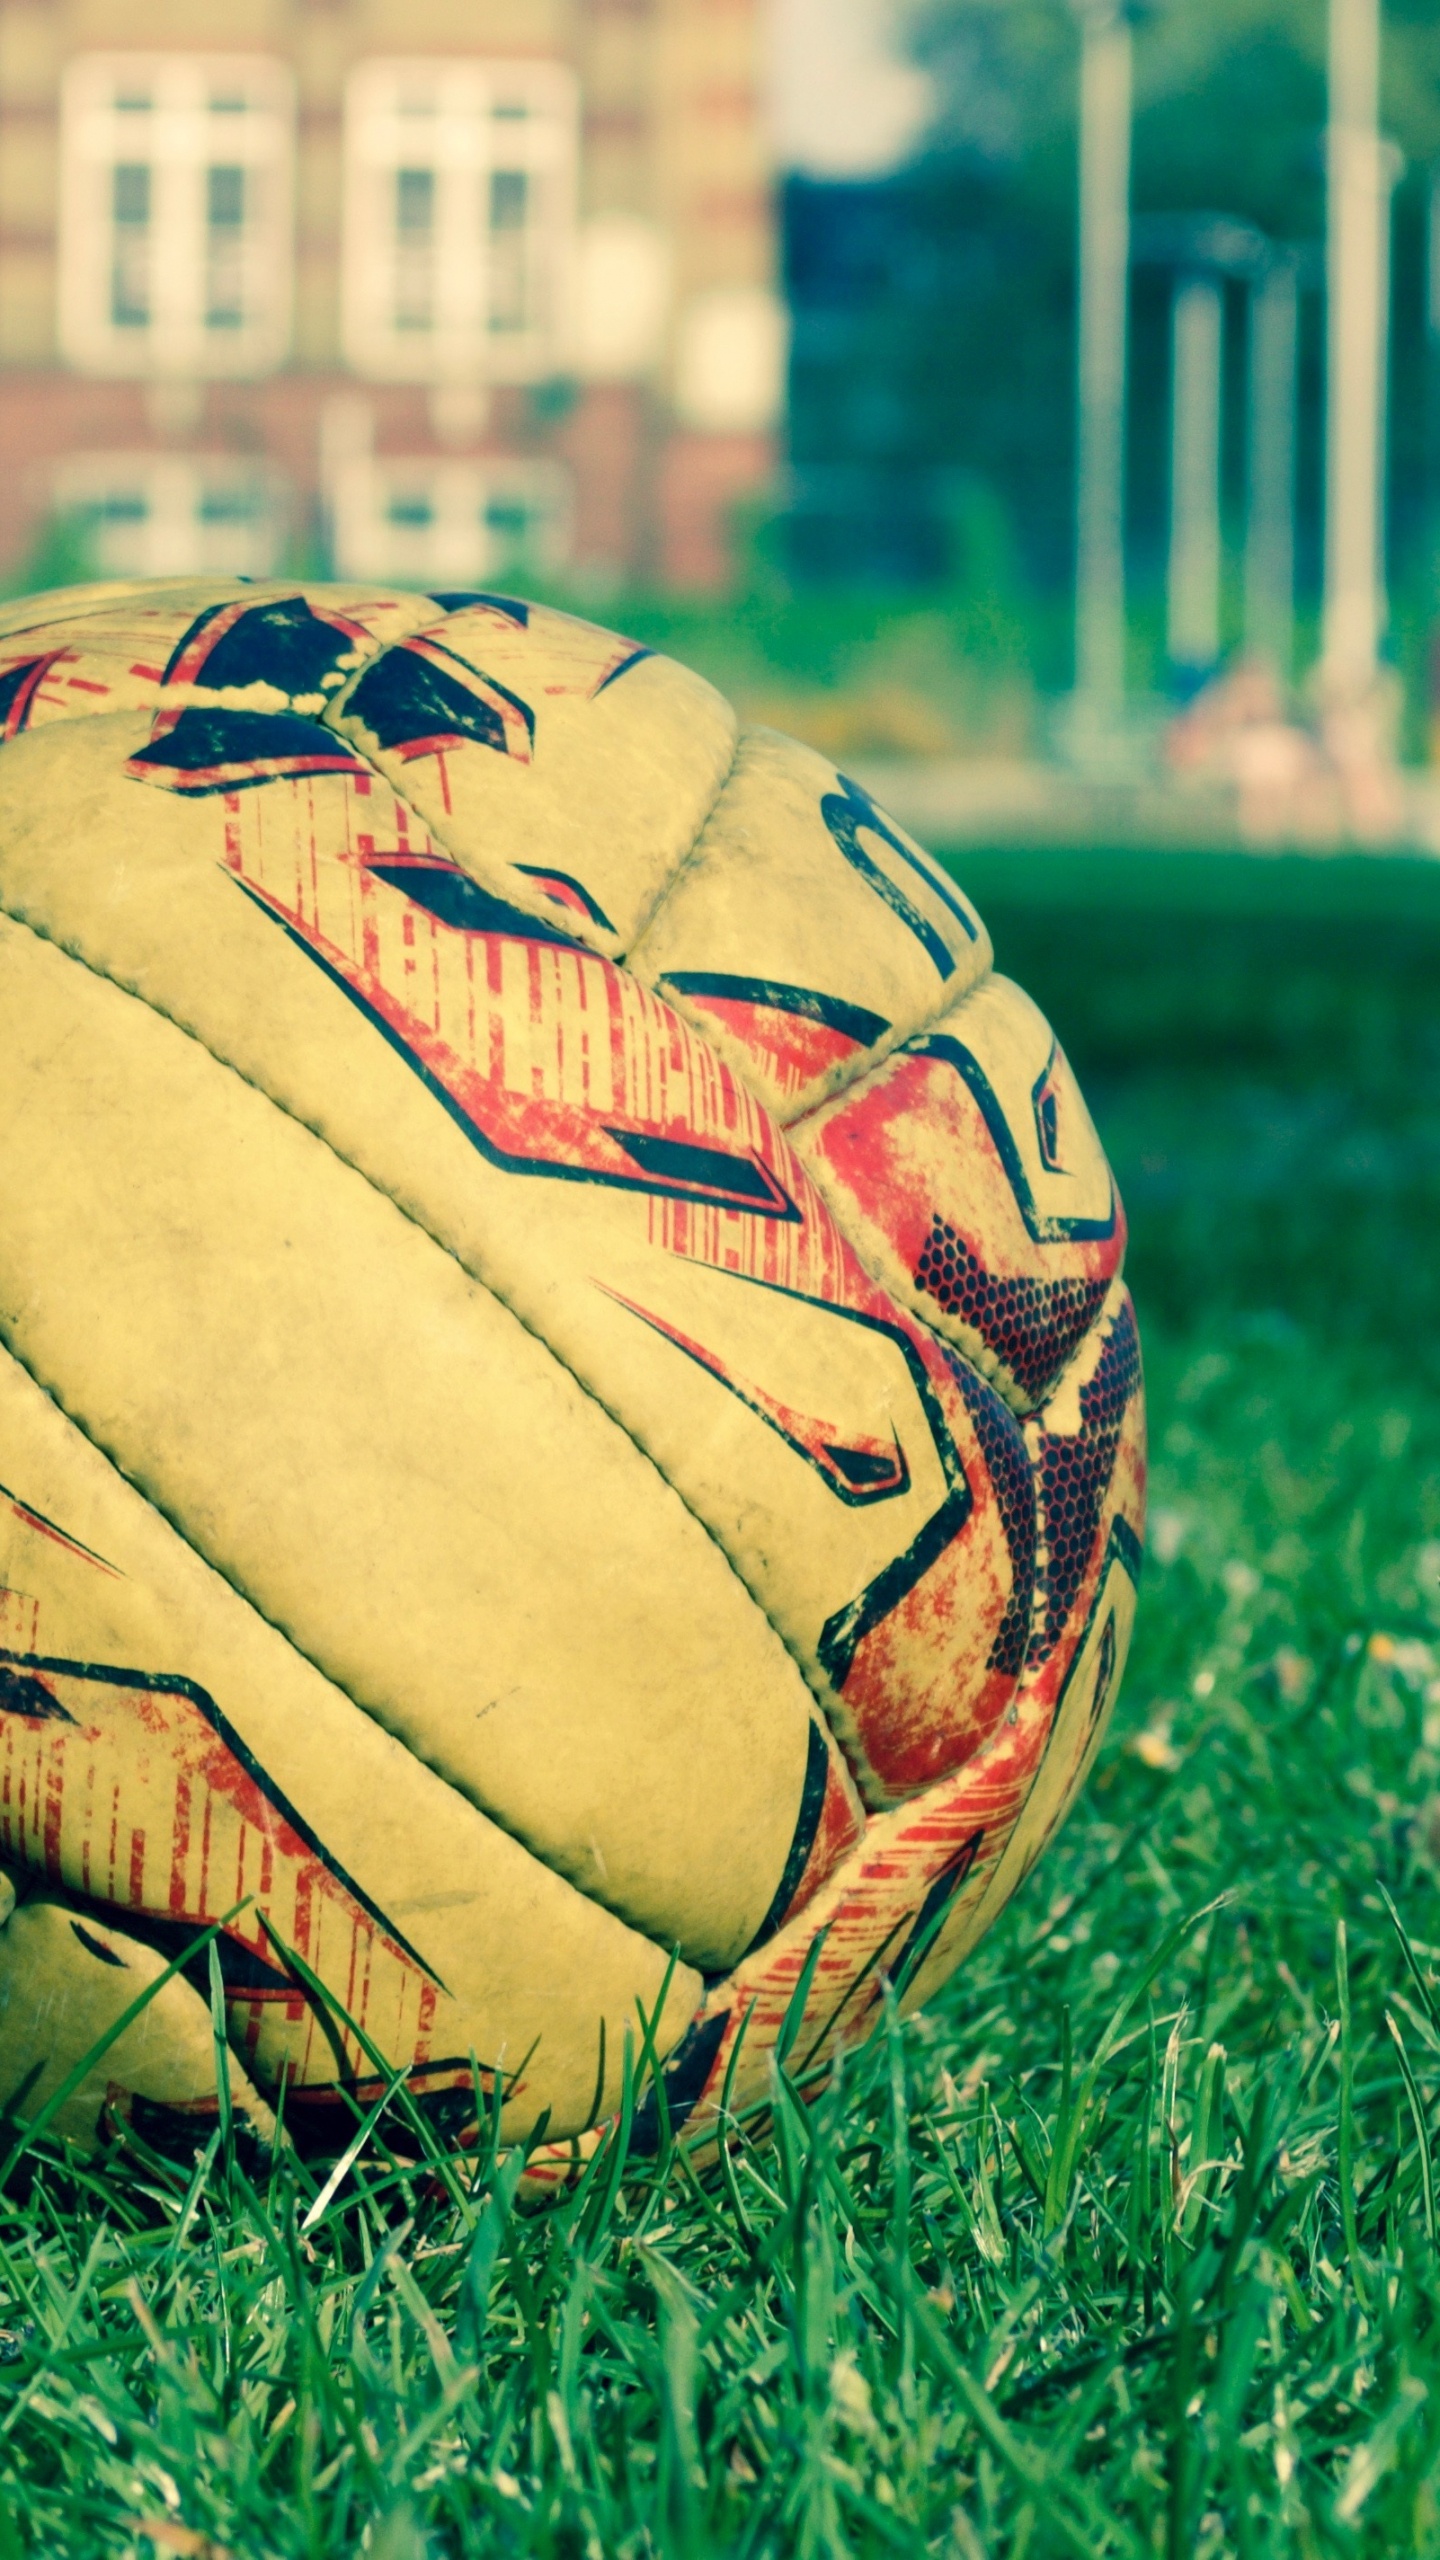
424	290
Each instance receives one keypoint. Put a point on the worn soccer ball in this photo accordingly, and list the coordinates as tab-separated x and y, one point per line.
569	1424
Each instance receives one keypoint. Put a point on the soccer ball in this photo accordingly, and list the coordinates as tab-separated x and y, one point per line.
571	1441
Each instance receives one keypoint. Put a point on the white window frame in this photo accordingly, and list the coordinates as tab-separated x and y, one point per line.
188	263
465	126
452	540
184	514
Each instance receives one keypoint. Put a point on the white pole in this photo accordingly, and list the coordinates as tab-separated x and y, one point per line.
1270	520
1105	88
1193	597
1358	267
1432	390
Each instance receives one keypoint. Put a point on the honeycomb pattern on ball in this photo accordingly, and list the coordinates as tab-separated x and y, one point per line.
1075	1469
1031	1325
1002	1445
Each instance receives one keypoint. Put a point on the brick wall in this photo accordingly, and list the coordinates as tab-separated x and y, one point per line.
670	138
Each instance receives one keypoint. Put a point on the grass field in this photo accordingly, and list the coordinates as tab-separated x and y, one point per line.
1129	2245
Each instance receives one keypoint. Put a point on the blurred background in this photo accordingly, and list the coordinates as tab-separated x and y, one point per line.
1033	403
948	377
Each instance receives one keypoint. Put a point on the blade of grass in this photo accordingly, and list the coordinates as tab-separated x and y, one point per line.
1422	2131
1345	2162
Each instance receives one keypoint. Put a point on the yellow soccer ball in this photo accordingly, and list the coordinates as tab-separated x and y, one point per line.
569	1423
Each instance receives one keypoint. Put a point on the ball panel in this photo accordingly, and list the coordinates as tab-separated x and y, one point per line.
806	929
838	1822
908	1904
924	1659
967	1168
592	762
191	1758
921	1870
824	1439
72	669
67	1976
1072	1720
1083	1627
587	1157
232	656
375	1450
182	596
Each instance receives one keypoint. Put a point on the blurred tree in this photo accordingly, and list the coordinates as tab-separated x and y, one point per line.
1229	97
934	344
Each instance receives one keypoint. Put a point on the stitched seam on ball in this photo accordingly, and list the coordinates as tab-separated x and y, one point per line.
298	1120
1117	1301
248	1601
847	1078
122	591
980	1357
844	1078
861	1069
135	591
902	1289
734	1056
500	877
672	881
1116	1298
830	1703
503	875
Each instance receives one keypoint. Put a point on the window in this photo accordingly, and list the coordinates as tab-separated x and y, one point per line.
459	220
175	214
451	524
151	515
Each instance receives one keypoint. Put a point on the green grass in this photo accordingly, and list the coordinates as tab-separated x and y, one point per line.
1129	2244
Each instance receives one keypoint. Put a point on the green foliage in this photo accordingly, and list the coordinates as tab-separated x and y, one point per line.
62	555
1230	109
1229	98
1128	2245
863	671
